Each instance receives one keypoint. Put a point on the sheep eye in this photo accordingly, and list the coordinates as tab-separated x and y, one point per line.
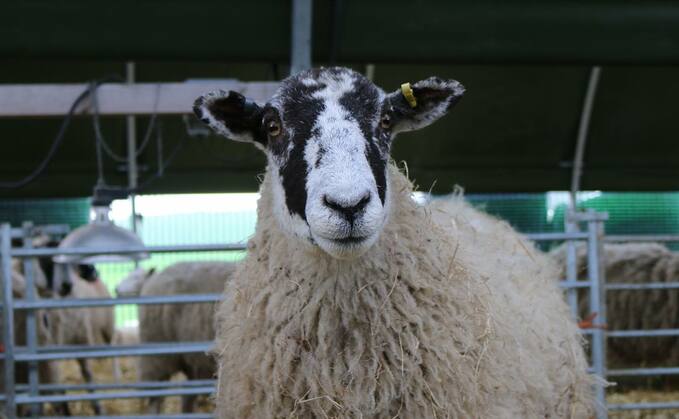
273	128
385	121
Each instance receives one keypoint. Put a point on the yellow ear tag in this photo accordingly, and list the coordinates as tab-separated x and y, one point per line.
407	92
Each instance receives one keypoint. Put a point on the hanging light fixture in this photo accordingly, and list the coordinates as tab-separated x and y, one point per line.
101	233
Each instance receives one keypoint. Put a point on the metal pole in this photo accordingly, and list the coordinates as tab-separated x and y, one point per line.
8	318
583	129
571	266
132	169
300	59
597	304
31	324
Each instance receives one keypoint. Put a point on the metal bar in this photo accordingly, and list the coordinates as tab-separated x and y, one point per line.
583	129
557	236
58	349
572	271
300	56
642	333
104	302
131	127
51	230
70	348
31	325
84	251
597	304
644	406
644	371
643	286
8	318
587	216
642	238
34	100
165	416
119	386
571	285
25	399
118	351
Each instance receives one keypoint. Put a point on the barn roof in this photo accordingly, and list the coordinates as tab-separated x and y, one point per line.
525	65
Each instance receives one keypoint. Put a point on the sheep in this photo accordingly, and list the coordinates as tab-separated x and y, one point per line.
126	335
83	326
177	322
635	263
47	371
132	284
354	301
76	326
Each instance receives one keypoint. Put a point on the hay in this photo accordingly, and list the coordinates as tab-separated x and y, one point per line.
102	369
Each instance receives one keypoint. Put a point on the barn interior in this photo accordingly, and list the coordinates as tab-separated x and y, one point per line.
569	106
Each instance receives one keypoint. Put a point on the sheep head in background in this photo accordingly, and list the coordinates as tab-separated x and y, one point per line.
327	134
132	284
57	276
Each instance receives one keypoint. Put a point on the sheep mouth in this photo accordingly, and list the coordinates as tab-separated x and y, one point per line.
350	240
347	247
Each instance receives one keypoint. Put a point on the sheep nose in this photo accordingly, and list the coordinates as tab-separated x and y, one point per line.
349	210
65	289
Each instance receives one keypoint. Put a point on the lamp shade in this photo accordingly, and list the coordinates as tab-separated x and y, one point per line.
101	234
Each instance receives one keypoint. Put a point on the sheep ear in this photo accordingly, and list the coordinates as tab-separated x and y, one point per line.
418	105
88	272
231	115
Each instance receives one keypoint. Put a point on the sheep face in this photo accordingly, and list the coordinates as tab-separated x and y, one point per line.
133	283
327	134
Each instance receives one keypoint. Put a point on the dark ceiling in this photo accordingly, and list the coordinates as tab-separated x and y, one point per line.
525	65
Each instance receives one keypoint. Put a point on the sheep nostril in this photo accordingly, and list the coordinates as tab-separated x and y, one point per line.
363	202
349	211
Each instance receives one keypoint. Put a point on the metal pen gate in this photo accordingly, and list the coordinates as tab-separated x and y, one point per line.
34	393
643	372
593	235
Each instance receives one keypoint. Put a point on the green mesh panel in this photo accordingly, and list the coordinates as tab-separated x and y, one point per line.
525	212
72	211
629	212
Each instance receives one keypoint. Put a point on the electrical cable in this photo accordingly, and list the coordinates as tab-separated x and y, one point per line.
152	122
147	135
100	143
161	168
58	139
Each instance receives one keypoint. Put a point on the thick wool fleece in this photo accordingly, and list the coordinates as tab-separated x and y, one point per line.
635	263
84	326
439	319
181	322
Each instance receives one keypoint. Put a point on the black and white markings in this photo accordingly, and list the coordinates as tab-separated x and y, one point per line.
328	161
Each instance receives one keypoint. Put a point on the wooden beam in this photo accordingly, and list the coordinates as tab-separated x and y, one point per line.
39	100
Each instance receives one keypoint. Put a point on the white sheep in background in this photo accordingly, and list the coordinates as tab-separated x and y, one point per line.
177	322
635	263
47	371
353	301
84	326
